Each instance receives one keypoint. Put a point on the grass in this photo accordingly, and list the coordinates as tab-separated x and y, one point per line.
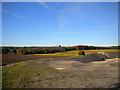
75	52
23	75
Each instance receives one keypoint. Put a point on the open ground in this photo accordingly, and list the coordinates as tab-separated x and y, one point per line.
95	70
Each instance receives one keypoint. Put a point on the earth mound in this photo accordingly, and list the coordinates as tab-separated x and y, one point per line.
100	56
112	55
92	57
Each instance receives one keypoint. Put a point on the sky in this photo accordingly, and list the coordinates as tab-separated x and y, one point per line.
59	23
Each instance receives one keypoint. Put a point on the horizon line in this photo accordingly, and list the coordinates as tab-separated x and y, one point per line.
56	45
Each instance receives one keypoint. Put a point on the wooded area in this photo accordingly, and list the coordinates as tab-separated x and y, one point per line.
45	50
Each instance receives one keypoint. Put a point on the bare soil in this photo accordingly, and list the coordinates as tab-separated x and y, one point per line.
91	71
75	74
9	58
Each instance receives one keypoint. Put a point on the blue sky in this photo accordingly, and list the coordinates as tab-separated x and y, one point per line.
60	23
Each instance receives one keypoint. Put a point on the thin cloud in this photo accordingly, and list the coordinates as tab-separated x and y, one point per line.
43	4
68	13
16	15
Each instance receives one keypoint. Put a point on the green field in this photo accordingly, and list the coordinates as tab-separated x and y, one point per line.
75	52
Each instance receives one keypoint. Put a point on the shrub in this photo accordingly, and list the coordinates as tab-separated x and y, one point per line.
12	51
21	51
5	50
81	52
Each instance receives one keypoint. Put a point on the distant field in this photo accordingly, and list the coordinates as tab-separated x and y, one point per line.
75	52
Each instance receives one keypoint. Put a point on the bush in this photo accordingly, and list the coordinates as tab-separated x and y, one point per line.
22	51
5	50
12	51
81	52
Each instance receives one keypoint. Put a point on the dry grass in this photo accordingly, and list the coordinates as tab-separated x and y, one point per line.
75	52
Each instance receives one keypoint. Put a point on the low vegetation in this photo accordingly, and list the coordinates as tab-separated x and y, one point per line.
75	52
22	75
81	52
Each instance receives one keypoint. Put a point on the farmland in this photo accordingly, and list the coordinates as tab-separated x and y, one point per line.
66	70
9	59
75	52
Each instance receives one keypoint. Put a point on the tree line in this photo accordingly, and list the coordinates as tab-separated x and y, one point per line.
34	50
46	50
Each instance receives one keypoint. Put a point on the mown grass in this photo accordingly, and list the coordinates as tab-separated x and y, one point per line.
23	75
75	52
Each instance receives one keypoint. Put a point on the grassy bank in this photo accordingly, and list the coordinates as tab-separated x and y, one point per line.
22	75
